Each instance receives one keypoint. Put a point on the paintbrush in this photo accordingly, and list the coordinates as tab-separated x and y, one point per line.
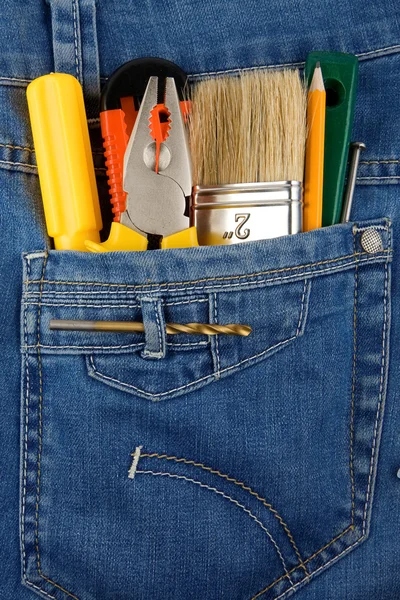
247	135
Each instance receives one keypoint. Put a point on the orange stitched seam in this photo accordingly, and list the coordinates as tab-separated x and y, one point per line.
40	451
12	147
207	279
240	484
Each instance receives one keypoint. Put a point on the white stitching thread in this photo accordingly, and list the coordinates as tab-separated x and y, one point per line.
353	384
213	489
378	411
378	177
379	162
380	227
195	344
40	589
158	308
137	345
74	16
204	280
135	460
25	452
34	167
84	305
362	55
379	50
188	385
301	309
296	585
15	79
216	339
347	265
19	164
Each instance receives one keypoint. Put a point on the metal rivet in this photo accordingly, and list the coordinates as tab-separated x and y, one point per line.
398	473
371	241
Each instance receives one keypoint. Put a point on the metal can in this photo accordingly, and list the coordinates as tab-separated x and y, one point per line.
242	212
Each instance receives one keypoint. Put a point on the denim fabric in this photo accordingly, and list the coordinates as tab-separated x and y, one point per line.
172	467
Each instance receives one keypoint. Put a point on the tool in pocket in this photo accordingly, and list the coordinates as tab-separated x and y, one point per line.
155	171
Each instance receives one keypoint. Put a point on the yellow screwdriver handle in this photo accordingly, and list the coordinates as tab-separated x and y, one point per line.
64	159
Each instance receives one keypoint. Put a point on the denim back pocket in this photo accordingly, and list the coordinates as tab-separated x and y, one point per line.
257	469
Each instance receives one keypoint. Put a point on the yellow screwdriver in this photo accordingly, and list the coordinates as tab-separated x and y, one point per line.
64	159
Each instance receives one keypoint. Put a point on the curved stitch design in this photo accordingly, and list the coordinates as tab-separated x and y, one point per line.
271	585
238	483
220	493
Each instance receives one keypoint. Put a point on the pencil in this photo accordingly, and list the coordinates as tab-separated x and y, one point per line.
314	166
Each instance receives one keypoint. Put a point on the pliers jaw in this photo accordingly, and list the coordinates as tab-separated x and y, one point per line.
157	168
157	177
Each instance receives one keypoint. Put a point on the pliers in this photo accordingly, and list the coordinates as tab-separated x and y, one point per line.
157	177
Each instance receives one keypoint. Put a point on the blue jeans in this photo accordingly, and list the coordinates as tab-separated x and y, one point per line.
142	466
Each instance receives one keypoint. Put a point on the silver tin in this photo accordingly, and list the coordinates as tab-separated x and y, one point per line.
241	212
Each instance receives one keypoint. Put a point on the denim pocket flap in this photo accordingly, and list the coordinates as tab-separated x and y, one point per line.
276	315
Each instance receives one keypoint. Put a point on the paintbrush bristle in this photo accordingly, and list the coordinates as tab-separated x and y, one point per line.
248	128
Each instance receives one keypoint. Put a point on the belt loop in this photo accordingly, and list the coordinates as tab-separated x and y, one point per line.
75	46
154	328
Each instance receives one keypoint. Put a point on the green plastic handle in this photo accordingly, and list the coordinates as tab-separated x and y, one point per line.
340	73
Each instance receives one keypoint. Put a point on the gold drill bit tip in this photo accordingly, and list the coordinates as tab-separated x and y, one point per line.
137	327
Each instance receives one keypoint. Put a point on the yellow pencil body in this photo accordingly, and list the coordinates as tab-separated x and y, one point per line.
314	167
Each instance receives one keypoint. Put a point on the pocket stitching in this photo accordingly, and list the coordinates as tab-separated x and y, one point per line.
207	279
94	372
351	527
379	411
244	508
245	487
38	462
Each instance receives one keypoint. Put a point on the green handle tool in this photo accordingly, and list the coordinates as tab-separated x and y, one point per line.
340	72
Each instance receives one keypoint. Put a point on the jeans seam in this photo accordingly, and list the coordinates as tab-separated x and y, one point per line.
380	403
353	386
185	286
220	493
316	571
216	339
362	55
39	460
383	361
208	279
24	475
192	383
74	16
133	305
55	347
299	331
240	484
307	560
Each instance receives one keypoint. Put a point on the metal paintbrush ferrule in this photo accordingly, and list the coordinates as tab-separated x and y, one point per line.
242	212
